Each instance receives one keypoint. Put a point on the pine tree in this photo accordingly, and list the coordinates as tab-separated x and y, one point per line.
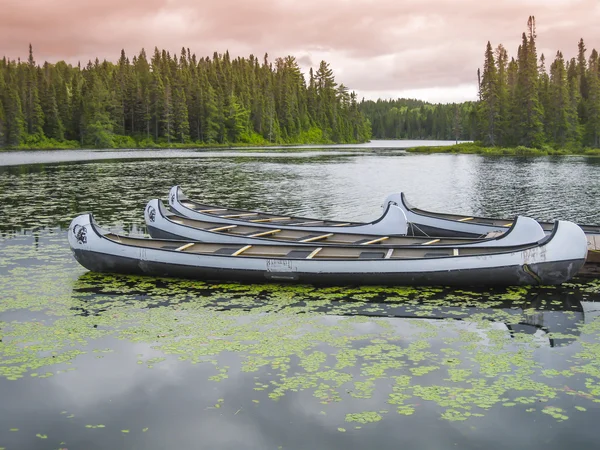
592	128
34	115
503	121
560	112
181	126
489	101
528	112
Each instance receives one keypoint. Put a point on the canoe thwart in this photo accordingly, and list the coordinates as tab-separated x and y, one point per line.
183	247
375	241
317	238
314	253
228	227
264	233
241	250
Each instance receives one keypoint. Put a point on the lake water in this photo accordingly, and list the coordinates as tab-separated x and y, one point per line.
101	362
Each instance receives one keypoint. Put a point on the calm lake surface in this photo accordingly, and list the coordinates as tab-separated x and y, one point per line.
92	361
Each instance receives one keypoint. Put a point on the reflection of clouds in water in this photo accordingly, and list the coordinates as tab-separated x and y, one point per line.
172	398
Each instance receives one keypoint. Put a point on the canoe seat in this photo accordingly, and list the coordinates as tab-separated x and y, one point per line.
225	251
434	254
371	255
298	254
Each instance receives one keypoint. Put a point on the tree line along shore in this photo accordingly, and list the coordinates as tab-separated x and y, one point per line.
170	101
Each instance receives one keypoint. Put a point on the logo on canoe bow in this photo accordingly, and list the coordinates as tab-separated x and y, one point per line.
151	213
80	233
172	198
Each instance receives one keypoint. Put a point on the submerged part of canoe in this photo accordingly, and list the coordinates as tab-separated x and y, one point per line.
163	224
427	223
554	260
392	222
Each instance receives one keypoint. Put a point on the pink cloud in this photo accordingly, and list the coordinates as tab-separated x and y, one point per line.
373	45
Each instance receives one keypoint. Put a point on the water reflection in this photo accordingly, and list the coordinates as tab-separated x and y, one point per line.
289	366
331	186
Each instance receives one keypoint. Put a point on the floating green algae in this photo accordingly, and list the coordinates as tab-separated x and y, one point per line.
364	417
450	348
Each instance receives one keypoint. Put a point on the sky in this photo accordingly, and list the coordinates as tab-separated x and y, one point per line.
425	49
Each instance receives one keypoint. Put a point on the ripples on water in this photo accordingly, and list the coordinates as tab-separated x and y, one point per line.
102	361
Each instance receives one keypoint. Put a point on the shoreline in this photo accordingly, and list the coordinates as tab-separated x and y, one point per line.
476	149
373	144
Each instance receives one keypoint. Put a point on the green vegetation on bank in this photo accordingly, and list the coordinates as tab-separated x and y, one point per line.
168	101
522	104
416	119
479	149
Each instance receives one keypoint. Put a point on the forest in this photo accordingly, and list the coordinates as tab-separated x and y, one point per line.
173	101
169	101
521	102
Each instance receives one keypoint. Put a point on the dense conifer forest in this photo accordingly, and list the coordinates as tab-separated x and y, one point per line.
416	119
522	102
170	100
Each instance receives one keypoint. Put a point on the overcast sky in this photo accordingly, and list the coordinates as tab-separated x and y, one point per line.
426	49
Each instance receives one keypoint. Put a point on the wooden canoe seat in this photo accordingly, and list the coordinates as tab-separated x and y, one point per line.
264	233
465	219
228	227
372	241
317	237
433	241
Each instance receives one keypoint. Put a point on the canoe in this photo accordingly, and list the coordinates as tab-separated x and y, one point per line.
392	222
164	224
427	223
554	260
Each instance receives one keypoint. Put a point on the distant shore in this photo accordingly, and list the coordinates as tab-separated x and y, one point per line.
477	149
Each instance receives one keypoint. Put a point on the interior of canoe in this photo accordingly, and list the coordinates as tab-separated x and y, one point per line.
299	236
259	217
546	226
467	219
305	252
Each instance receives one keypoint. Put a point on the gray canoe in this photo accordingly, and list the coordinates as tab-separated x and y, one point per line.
554	260
164	224
427	223
392	222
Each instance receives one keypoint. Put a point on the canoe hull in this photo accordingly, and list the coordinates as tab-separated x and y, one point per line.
551	272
